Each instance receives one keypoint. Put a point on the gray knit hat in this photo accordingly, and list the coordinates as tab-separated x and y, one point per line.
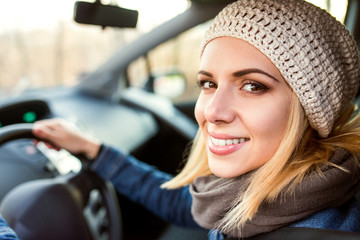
313	51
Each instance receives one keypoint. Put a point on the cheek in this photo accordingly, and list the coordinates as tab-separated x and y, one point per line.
269	123
199	110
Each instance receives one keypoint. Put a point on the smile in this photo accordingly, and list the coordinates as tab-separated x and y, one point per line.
223	147
225	142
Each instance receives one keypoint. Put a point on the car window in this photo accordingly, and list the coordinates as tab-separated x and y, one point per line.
179	55
337	8
42	46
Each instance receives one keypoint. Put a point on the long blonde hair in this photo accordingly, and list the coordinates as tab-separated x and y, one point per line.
299	152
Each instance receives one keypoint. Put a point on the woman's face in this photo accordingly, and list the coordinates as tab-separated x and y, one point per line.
243	106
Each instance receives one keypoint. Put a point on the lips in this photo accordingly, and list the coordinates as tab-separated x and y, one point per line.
226	146
223	142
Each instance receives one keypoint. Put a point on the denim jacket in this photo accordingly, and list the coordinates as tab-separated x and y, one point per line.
141	183
6	233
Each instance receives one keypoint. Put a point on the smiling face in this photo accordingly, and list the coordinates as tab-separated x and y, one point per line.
243	106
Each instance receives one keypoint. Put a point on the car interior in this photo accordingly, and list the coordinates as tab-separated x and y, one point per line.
53	195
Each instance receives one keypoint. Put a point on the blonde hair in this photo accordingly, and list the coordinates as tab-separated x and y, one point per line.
300	151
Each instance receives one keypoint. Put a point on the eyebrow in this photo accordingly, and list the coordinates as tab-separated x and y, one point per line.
242	73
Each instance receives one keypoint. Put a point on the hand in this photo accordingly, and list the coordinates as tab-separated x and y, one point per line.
61	134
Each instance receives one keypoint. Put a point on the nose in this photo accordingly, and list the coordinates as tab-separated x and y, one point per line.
219	108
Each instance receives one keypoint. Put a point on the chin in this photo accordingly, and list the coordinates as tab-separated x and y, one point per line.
229	169
225	172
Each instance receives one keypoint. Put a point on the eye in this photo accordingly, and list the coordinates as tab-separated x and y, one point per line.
254	87
205	84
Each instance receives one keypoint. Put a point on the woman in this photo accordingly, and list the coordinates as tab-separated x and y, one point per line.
278	142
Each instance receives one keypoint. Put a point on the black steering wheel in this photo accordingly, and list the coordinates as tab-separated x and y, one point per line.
79	206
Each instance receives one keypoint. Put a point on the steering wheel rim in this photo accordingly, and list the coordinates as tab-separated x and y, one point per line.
84	192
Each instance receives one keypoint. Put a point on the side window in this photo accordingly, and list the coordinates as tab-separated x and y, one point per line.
177	58
138	72
337	8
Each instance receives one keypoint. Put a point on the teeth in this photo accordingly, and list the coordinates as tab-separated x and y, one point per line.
223	142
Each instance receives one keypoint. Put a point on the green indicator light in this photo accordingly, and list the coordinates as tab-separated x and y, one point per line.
29	117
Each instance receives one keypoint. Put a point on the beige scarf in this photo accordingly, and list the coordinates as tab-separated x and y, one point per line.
214	196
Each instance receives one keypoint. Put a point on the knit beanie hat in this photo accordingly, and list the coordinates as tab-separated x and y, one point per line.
314	52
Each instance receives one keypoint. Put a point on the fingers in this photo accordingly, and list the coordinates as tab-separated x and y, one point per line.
40	132
43	134
51	146
61	134
50	131
50	124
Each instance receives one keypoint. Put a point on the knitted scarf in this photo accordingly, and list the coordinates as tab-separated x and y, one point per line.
213	197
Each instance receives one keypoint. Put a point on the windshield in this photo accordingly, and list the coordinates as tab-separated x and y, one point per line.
41	46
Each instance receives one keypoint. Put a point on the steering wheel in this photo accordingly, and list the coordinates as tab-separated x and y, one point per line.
72	206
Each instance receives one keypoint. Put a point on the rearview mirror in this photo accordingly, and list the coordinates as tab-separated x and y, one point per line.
104	15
